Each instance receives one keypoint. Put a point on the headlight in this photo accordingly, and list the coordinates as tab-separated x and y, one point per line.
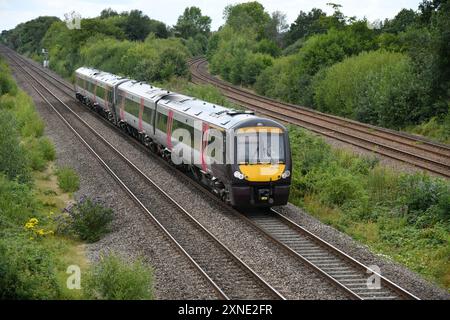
286	174
238	175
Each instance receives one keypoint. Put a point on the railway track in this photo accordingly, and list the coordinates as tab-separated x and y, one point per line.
332	264
416	151
230	277
344	271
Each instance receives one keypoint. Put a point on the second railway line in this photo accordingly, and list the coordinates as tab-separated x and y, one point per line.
415	151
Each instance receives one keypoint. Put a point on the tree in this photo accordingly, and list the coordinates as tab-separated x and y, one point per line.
159	29
136	25
191	23
306	25
276	27
249	16
378	87
402	20
27	37
427	8
108	13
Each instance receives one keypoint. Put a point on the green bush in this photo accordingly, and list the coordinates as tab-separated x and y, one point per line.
7	83
29	121
39	151
17	203
47	149
14	161
68	179
377	87
290	77
90	219
26	269
426	200
152	60
115	278
434	128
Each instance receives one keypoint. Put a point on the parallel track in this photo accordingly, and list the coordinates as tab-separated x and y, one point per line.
230	277
416	151
332	264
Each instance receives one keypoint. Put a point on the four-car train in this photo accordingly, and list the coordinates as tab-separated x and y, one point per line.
244	159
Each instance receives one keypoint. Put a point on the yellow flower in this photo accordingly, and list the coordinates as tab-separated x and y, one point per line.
40	232
31	223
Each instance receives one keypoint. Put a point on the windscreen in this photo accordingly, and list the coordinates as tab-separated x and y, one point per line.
260	147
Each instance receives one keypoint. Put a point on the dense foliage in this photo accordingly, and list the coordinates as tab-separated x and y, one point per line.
404	216
27	37
377	87
152	60
34	256
121	39
247	44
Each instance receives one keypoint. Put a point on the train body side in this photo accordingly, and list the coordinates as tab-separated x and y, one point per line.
155	116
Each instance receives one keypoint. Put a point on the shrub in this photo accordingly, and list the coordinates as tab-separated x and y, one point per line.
292	75
16	202
14	161
7	84
90	219
26	269
68	179
425	199
152	60
47	149
377	87
336	188
29	121
114	278
434	129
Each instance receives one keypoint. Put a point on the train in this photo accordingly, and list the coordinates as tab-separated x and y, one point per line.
242	158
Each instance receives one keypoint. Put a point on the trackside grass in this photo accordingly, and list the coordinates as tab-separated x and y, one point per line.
34	256
403	216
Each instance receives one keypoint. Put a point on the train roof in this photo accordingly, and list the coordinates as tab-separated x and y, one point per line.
214	114
102	76
143	90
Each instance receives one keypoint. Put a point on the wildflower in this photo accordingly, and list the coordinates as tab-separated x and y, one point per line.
31	223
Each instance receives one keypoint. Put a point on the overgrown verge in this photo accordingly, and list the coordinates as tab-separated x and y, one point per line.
34	254
403	216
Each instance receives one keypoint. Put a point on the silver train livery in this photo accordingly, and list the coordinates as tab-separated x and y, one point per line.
243	158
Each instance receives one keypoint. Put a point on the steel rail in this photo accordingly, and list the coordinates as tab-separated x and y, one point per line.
438	167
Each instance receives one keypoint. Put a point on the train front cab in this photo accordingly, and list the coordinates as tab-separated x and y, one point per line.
261	175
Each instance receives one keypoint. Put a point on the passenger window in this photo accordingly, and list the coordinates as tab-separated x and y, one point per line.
162	122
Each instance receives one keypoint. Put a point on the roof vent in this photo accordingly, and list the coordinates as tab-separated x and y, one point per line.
237	112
